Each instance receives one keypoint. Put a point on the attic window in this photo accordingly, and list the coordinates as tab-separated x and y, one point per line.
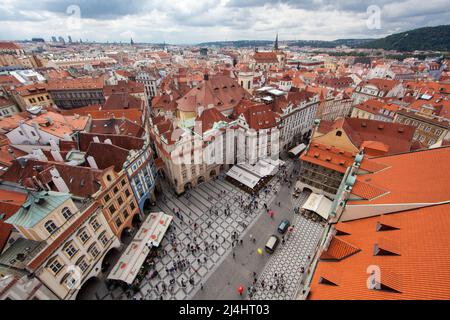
377	284
380	127
316	155
323	280
341	163
328	159
338	133
378	251
401	130
364	125
341	233
385	227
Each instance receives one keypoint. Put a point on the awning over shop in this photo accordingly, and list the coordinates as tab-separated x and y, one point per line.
319	204
246	178
297	150
149	235
250	175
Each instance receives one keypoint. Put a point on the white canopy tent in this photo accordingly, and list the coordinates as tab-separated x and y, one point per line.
243	176
149	235
319	204
250	175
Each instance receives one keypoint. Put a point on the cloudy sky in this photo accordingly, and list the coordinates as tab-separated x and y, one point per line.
193	21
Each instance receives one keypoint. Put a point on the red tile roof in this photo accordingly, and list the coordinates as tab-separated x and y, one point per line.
338	250
116	126
108	155
265	57
76	84
372	106
328	157
9	46
208	118
119	101
414	177
221	91
421	270
10	203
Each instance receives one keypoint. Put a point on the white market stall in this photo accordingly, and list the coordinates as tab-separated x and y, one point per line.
149	235
319	204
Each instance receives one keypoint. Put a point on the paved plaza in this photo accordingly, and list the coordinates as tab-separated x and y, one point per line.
212	231
288	260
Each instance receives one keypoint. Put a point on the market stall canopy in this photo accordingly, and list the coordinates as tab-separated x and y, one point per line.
249	175
319	204
149	235
297	150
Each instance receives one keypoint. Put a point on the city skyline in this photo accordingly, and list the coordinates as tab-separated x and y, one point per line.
191	22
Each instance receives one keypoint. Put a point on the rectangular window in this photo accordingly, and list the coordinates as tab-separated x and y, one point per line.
132	205
120	200
107	198
126	214
84	236
112	209
104	239
83	266
127	193
95	225
118	222
94	251
71	251
70	282
55	267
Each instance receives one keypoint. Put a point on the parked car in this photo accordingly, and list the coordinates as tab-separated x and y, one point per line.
272	243
283	227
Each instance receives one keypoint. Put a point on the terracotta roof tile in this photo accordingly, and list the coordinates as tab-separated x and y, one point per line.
420	271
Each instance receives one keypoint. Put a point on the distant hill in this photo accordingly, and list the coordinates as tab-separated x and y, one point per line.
423	39
428	38
291	43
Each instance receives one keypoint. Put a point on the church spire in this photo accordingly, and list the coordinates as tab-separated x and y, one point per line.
276	43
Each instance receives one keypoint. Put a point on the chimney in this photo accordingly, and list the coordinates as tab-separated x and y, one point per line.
37	129
59	181
92	162
39	155
200	110
54	145
56	155
50	120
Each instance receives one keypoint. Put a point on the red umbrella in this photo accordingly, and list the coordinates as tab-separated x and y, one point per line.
241	290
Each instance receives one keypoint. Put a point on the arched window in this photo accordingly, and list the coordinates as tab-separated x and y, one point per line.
67	214
50	226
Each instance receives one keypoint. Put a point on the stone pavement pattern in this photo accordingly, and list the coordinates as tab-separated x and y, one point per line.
194	206
288	260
